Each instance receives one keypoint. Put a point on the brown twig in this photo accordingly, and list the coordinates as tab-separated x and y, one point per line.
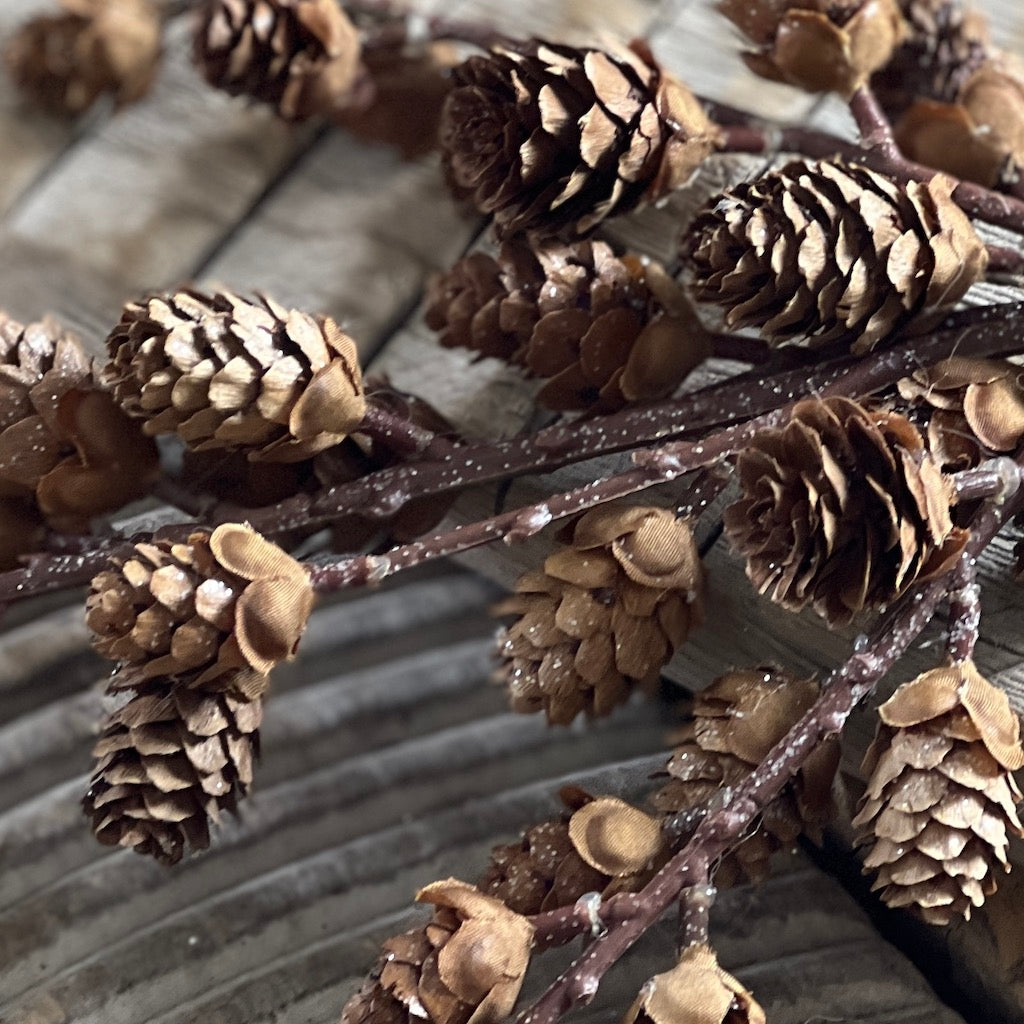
964	611
695	905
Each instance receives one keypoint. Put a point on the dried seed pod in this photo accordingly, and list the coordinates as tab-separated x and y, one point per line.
221	371
818	45
300	56
842	509
64	445
170	761
65	62
941	801
736	721
606	330
552	139
824	251
604	616
224	602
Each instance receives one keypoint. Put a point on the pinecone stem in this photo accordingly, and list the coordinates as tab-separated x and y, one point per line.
695	905
964	611
997	478
400	435
873	125
1005	259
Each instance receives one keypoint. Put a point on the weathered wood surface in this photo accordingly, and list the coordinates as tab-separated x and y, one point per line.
388	760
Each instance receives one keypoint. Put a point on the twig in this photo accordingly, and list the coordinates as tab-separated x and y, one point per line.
964	611
404	26
695	905
400	435
995	478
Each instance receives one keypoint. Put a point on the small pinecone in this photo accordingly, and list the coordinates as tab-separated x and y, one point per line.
825	251
553	139
224	372
64	445
941	800
469	961
736	722
299	56
604	616
606	330
21	530
170	761
842	509
223	602
65	62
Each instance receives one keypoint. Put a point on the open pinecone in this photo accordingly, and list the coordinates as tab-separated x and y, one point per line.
842	509
552	139
604	616
941	801
824	251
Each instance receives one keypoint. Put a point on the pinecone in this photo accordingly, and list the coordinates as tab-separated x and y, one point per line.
842	509
606	330
299	56
818	45
826	251
604	616
65	62
467	963
696	989
941	800
225	372
552	139
170	761
736	722
224	602
64	445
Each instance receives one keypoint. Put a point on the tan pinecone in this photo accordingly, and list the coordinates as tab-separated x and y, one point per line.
65	62
824	251
941	800
604	616
221	603
169	761
736	721
299	56
606	330
64	445
468	962
221	371
842	509
552	139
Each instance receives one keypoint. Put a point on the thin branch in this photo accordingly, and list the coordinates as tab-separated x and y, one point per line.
964	611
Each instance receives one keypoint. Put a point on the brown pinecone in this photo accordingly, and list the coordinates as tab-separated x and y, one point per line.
695	990
824	251
468	962
736	721
842	509
65	62
300	56
552	139
941	800
606	330
604	616
221	371
224	602
170	761
64	445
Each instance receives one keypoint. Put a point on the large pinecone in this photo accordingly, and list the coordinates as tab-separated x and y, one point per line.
221	371
606	330
553	139
941	800
842	509
825	251
300	56
604	616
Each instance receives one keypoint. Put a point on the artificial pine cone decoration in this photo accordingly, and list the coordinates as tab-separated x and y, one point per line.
606	330
552	139
605	614
843	509
941	802
824	251
221	371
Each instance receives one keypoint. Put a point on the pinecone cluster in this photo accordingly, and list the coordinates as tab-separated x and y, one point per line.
605	330
552	139
605	614
736	721
826	251
941	802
